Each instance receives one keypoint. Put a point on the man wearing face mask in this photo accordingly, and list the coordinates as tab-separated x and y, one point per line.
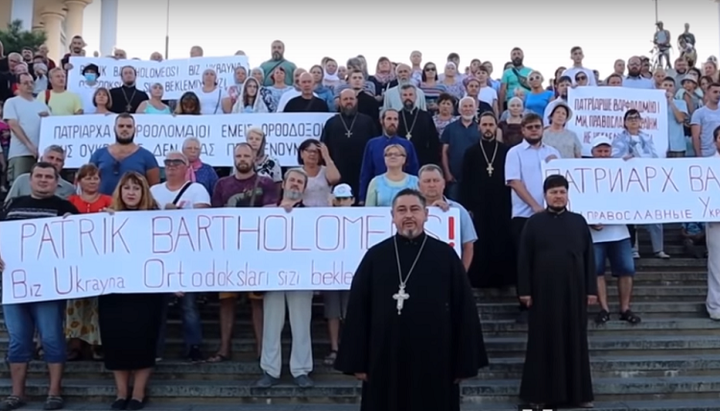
127	98
90	73
124	155
635	78
515	76
523	173
418	126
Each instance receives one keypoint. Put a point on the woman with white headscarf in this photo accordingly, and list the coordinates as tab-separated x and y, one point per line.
452	82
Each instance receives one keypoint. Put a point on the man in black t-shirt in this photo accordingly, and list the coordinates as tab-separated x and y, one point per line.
22	320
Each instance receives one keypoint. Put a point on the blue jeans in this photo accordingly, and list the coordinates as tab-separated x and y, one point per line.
21	321
620	254
192	328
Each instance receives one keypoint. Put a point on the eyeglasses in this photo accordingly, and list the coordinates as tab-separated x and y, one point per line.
533	126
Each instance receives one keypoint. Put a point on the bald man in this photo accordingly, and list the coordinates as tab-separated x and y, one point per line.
393	97
307	101
291	94
196	51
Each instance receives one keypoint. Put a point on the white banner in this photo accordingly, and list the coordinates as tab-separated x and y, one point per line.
228	249
642	191
177	76
83	135
599	111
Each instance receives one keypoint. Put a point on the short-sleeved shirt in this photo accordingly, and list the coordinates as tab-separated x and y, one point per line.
66	103
21	187
112	170
467	228
708	120
510	79
194	194
676	131
28	208
459	138
256	191
27	114
524	163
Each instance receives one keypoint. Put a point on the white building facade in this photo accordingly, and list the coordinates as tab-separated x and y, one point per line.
61	20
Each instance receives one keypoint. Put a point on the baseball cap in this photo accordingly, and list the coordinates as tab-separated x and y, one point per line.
601	140
342	191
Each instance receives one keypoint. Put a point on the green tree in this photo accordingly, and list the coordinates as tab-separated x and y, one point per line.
14	38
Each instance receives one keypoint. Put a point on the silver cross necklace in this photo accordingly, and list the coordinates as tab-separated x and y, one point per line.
401	295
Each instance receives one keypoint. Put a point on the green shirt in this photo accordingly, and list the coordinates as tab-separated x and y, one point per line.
269	66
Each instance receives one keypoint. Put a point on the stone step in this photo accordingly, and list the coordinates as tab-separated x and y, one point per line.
670	366
661	405
346	389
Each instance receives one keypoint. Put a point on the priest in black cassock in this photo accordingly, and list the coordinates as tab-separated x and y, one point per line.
412	330
484	193
557	281
345	136
127	98
418	126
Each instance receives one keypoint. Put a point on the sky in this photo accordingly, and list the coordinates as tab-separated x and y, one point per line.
313	29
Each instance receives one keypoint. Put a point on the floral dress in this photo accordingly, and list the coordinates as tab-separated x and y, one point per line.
81	315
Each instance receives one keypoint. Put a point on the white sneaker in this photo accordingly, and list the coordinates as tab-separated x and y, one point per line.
636	255
714	317
661	254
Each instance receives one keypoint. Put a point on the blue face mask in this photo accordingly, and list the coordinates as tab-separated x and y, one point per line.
90	77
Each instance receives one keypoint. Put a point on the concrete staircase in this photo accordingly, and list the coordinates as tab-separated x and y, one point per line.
671	361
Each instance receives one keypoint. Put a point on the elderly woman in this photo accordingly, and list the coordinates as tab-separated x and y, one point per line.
322	174
383	188
557	136
198	172
511	125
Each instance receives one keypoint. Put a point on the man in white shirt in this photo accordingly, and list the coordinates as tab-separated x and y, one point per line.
523	173
612	242
577	56
712	236
178	192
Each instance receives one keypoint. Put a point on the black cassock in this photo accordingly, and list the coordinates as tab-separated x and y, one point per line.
424	135
488	198
347	152
412	359
556	268
123	96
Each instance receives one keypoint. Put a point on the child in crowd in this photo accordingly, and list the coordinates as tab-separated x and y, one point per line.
336	301
693	235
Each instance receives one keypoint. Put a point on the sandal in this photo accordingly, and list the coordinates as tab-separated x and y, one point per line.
602	317
630	317
330	359
12	402
54	402
218	358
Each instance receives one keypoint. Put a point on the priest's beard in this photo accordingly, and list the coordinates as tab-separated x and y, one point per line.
129	84
533	141
556	209
349	111
468	118
489	135
292	195
124	141
409	105
410	233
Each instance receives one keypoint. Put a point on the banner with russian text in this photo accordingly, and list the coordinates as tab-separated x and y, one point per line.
81	136
177	76
229	249
642	191
599	111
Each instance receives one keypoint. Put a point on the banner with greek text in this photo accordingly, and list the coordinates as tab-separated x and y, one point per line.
642	191
599	111
225	249
177	76
81	136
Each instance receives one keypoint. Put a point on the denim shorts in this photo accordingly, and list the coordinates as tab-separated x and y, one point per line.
620	254
21	321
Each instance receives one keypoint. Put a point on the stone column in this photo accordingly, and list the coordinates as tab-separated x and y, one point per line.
23	10
74	18
108	26
53	21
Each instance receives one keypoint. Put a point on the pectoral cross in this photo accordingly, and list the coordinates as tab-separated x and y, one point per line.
409	136
400	297
490	169
128	108
348	134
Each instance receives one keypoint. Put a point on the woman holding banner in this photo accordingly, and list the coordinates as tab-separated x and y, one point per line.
129	323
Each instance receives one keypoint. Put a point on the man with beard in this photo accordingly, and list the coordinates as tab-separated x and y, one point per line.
556	277
514	77
484	192
412	331
124	155
563	85
366	103
418	126
278	60
373	163
77	44
127	98
635	78
346	135
523	174
457	137
244	188
299	308
681	69
393	96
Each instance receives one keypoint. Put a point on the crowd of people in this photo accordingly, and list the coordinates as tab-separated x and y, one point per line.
409	136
